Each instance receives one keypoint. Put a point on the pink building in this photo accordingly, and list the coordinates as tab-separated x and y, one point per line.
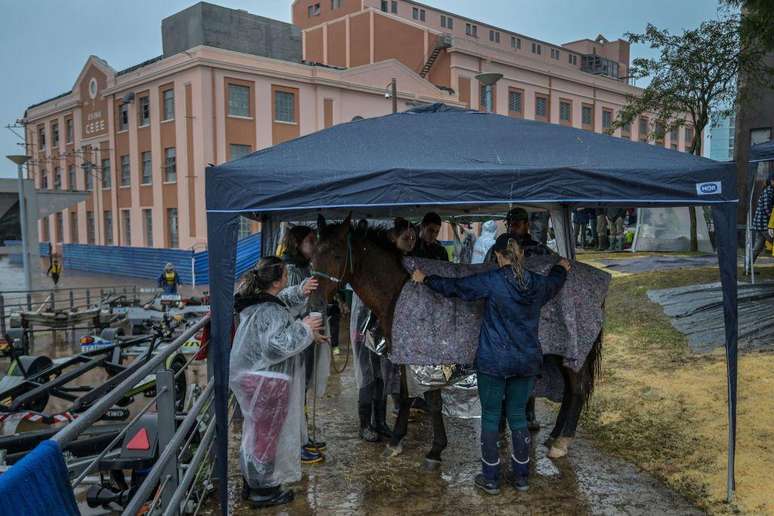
139	139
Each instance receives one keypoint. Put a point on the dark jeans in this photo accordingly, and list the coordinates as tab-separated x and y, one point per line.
493	389
761	237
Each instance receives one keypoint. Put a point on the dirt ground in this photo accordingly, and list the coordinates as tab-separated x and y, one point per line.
664	408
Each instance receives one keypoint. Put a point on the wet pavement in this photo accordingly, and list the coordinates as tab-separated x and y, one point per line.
355	479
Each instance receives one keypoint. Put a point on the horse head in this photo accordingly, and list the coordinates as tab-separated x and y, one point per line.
332	260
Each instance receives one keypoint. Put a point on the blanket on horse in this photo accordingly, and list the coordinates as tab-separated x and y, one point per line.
429	329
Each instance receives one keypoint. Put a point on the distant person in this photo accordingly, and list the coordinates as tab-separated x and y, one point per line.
485	241
55	269
518	221
760	222
615	220
428	245
169	280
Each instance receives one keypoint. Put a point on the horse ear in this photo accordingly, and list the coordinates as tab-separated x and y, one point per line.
348	220
320	222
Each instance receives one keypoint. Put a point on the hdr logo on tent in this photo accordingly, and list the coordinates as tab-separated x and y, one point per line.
710	188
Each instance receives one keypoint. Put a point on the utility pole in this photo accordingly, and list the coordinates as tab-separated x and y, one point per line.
394	94
20	160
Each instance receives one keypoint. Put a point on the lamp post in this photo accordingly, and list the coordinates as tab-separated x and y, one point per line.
392	93
488	80
20	160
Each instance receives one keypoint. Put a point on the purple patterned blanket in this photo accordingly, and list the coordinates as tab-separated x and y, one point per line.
429	329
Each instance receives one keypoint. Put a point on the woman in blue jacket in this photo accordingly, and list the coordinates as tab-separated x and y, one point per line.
509	355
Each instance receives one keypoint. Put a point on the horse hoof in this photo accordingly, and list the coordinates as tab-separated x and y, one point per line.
431	465
392	451
559	448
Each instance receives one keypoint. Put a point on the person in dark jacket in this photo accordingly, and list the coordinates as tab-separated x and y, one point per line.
518	226
427	244
509	356
760	222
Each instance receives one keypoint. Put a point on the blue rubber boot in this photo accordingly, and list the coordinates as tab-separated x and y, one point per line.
520	439
489	479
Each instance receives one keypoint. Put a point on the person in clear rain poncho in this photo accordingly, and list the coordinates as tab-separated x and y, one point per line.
267	376
375	375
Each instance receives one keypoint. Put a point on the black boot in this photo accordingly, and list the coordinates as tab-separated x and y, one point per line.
520	440
366	433
263	497
380	419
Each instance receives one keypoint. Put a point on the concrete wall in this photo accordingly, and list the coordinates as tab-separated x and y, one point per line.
230	29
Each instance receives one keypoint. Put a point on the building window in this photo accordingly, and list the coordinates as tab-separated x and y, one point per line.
237	151
143	111
147	222
673	138
447	22
125	172
59	227
688	136
313	10
69	130
514	102
123	117
41	137
170	165
126	227
172	227
108	220
169	104
660	132
418	14
88	178
284	106
90	229
565	111
536	49
74	227
44	179
573	59
643	129
587	115
515	42
238	100
626	130
46	236
554	54
57	179
607	119
106	173
335	4
71	177
55	134
471	30
385	5
494	36
147	168
541	107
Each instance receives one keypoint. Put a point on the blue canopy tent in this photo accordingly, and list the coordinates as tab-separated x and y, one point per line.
461	164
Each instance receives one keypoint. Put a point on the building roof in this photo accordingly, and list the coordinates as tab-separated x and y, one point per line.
50	100
139	65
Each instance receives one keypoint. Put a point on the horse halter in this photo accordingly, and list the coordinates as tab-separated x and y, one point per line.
347	262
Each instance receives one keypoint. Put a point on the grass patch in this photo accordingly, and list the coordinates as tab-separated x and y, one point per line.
663	407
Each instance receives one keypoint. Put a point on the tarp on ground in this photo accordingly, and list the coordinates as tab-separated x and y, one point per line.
458	163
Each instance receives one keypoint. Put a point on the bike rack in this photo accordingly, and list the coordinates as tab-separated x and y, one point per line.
176	480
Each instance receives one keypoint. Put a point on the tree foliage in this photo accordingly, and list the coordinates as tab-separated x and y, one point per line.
694	77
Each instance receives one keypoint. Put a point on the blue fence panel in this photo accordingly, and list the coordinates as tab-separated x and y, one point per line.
14	258
148	262
45	248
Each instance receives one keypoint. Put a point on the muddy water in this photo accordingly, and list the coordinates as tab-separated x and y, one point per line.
355	479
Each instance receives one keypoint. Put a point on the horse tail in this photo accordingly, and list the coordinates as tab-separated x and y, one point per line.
593	366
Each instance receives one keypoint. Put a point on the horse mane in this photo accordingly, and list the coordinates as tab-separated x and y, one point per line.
378	235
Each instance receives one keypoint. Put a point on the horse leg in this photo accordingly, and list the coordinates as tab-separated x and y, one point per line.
394	448
435	402
532	422
569	422
563	409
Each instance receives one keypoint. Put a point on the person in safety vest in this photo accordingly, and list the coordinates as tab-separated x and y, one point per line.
55	269
169	279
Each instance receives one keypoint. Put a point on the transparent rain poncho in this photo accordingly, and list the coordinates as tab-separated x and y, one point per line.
267	378
369	366
485	241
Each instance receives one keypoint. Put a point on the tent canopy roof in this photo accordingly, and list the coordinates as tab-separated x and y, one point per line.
762	152
459	162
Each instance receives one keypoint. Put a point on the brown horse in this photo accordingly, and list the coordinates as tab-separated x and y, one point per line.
366	259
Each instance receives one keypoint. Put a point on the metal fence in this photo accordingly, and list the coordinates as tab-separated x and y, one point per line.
168	486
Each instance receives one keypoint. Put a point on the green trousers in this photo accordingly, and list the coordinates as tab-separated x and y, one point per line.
492	390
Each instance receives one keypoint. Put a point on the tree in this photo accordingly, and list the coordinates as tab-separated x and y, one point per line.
693	78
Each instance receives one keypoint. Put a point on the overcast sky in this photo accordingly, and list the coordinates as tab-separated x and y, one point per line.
46	42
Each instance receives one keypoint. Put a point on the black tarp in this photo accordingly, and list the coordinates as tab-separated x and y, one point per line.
459	163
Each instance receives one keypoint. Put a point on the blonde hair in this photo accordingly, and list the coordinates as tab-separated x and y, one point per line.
514	253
